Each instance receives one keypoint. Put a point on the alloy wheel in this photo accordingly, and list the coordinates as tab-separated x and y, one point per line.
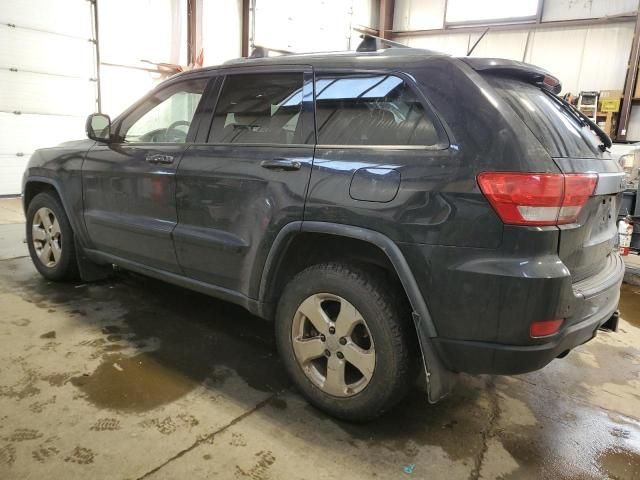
46	237
333	345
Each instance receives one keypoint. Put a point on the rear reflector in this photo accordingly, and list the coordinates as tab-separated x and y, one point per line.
537	198
544	328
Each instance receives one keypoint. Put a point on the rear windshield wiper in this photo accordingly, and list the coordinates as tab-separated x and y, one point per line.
582	120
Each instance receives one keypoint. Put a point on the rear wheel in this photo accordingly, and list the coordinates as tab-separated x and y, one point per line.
50	238
345	340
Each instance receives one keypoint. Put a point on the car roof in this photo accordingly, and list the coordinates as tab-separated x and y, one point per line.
381	59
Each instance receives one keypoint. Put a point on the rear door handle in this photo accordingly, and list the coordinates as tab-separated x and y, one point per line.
282	164
159	159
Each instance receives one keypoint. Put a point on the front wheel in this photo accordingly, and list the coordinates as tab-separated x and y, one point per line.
50	238
345	340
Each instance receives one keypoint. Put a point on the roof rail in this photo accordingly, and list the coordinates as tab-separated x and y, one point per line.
371	43
263	52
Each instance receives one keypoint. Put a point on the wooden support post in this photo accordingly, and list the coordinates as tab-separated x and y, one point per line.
630	83
385	22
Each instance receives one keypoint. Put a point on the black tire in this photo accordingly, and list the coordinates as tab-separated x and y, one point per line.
387	320
66	268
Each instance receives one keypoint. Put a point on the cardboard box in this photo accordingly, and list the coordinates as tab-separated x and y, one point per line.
610	105
610	100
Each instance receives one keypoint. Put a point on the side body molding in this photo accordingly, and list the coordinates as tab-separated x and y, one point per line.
439	379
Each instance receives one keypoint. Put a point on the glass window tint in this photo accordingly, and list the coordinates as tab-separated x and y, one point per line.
166	116
558	131
370	110
259	108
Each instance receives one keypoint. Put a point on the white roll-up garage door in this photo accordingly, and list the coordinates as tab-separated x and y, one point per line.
47	79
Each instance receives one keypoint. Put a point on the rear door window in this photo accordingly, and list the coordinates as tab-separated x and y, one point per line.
560	133
371	109
260	108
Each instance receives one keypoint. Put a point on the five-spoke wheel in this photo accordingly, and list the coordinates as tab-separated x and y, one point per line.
333	344
50	238
46	237
344	335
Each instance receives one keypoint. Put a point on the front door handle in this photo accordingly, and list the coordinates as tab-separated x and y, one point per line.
159	159
282	164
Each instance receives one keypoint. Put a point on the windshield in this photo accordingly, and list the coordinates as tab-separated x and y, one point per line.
557	126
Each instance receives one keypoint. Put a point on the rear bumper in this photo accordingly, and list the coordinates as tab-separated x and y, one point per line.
594	302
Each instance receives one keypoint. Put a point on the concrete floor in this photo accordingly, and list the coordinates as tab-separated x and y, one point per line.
131	378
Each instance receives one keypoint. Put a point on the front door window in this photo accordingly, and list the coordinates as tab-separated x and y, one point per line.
166	116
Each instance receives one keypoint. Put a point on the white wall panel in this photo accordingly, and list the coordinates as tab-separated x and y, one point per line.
61	99
560	52
134	30
11	170
121	87
69	17
474	10
509	45
365	13
575	9
26	133
34	93
455	44
605	58
418	15
309	26
221	40
43	52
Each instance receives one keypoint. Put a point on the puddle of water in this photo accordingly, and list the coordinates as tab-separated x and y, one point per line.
135	384
183	339
630	303
620	463
415	423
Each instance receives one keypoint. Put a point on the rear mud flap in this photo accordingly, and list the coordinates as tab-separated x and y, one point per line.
440	380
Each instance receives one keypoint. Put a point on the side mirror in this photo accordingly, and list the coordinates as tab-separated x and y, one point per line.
98	127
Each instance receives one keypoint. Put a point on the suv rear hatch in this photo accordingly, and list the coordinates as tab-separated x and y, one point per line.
577	146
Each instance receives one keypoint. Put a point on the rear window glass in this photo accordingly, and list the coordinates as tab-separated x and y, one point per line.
556	129
370	109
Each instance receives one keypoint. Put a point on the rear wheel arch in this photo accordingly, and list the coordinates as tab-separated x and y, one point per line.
338	240
384	253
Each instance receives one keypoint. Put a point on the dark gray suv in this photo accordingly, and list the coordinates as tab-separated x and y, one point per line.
390	210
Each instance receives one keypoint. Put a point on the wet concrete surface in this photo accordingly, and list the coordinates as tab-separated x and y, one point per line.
133	378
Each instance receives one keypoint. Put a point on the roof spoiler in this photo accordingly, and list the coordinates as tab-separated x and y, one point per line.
511	68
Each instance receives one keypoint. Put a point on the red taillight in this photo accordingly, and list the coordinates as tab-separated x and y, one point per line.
544	328
537	198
